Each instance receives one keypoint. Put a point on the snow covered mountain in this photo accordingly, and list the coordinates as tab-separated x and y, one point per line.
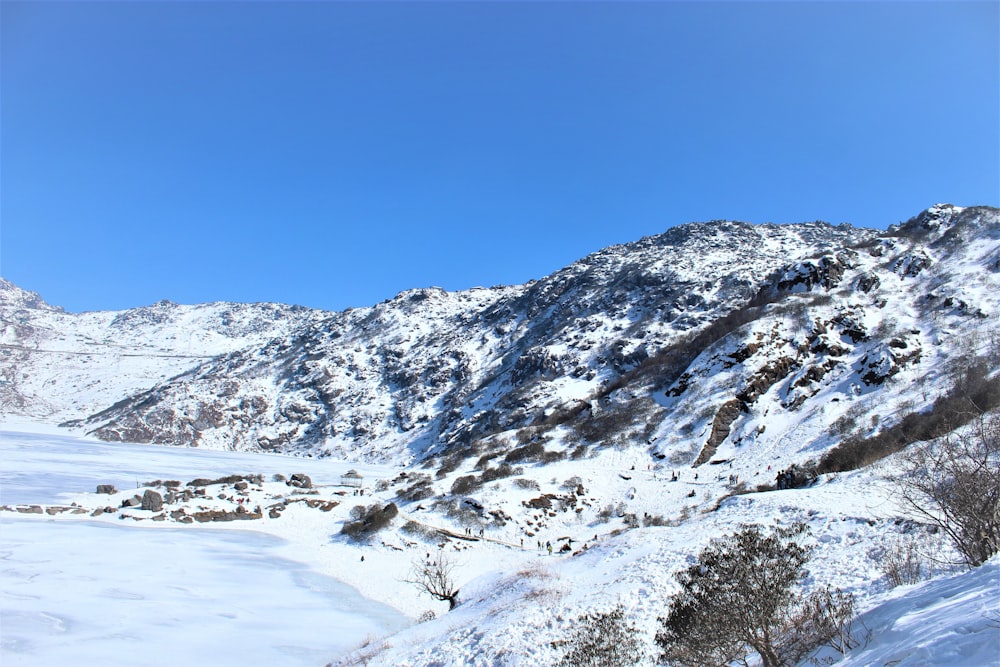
627	408
791	323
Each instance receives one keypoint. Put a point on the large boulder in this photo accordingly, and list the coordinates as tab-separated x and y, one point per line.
152	501
301	481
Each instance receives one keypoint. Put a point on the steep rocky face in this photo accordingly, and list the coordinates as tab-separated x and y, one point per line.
681	341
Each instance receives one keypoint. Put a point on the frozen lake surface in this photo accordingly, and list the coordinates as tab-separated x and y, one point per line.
80	592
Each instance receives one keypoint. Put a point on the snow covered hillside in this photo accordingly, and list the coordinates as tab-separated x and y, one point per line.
626	410
58	366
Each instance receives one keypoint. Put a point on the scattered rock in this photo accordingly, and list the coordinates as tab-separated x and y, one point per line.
108	489
152	501
301	481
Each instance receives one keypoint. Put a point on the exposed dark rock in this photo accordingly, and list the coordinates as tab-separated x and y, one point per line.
108	489
721	426
300	481
152	501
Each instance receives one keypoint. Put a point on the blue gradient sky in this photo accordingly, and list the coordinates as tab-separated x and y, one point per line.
333	154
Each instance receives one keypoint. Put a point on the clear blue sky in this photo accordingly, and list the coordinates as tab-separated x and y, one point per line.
333	154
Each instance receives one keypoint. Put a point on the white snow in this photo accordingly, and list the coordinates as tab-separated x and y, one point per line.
86	591
89	590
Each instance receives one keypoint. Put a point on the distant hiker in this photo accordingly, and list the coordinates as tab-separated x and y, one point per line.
362	559
549	547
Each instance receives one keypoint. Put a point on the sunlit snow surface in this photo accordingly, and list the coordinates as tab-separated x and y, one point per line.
79	592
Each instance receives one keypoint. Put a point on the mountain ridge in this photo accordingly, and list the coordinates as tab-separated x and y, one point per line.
430	373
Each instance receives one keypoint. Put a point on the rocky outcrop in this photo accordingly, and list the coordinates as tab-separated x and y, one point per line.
152	501
721	426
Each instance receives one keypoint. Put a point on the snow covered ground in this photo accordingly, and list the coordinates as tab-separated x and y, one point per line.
82	591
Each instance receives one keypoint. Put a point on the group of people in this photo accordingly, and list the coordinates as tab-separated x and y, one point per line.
786	479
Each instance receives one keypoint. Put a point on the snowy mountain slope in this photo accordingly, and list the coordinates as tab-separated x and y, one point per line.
561	411
430	371
58	366
797	325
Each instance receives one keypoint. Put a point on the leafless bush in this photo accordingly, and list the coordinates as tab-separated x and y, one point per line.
604	639
363	655
419	531
902	564
954	484
974	394
525	483
369	520
465	485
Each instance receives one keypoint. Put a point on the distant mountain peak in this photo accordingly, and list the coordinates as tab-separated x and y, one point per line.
12	296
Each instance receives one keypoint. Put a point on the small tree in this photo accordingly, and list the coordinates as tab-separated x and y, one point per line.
954	484
739	599
435	576
604	639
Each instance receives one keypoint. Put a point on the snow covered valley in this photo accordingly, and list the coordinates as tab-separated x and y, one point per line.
84	591
122	588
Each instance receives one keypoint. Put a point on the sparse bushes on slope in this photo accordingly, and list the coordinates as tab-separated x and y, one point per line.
739	599
972	395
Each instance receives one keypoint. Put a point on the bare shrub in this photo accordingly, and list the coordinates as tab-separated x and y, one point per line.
419	531
450	464
739	599
419	488
369	650
369	520
499	472
954	484
604	639
465	485
902	564
525	483
531	451
972	395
